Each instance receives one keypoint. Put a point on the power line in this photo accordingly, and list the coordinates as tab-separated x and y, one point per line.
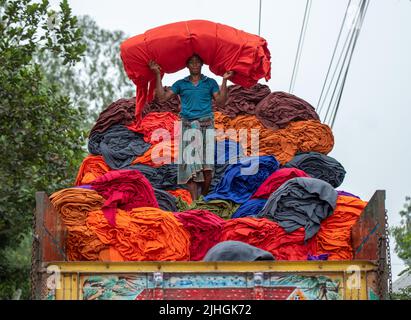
259	17
300	44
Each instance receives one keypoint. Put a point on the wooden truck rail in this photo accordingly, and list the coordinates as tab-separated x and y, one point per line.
365	277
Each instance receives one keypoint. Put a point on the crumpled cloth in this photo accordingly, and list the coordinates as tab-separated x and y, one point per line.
152	122
222	208
205	230
249	208
301	202
124	189
162	153
166	201
183	194
118	145
73	206
118	112
143	234
278	109
163	177
91	168
269	236
348	194
334	236
221	47
242	100
171	105
237	251
275	180
241	180
319	166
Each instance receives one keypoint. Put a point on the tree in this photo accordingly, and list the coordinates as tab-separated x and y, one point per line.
402	235
98	78
42	133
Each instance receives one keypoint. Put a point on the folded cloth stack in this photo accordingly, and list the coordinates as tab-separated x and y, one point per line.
118	145
91	168
249	208
163	177
204	228
166	201
164	152
171	105
243	100
334	236
124	189
73	206
143	234
268	235
119	112
301	202
319	166
242	179
275	180
236	251
278	109
222	208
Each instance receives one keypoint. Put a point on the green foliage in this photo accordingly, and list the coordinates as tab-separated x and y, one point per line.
42	134
404	294
99	78
402	234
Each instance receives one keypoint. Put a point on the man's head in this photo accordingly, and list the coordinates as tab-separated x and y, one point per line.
194	64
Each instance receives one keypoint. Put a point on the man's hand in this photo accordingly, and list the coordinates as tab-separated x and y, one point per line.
154	67
228	75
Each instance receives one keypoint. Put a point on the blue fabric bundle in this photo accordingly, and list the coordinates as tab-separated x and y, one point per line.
241	180
249	208
118	145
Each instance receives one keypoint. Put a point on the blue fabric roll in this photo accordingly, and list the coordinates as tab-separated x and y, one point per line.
249	208
241	180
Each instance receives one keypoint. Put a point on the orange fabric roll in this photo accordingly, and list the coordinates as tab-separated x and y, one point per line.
82	244
334	237
143	234
91	168
110	254
165	150
183	194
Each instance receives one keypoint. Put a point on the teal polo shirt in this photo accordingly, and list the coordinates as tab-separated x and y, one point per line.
195	99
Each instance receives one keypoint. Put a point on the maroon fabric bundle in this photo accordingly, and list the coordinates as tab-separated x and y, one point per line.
278	109
124	189
269	236
243	100
275	180
205	230
119	112
171	105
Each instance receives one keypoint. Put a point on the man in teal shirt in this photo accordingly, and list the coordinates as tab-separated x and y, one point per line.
196	92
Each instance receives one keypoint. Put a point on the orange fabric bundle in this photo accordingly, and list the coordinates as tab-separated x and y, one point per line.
91	168
268	235
312	136
74	205
154	121
163	153
334	237
183	194
278	143
143	234
110	254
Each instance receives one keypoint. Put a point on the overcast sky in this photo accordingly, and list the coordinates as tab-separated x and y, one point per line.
372	130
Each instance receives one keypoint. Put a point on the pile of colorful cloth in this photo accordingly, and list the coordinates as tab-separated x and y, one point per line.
278	203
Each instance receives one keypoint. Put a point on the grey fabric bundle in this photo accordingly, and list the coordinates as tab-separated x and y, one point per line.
166	201
118	145
319	166
301	202
236	251
164	177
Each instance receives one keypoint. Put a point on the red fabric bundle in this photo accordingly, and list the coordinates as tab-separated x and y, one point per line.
205	230
154	121
221	47
274	181
269	236
124	189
